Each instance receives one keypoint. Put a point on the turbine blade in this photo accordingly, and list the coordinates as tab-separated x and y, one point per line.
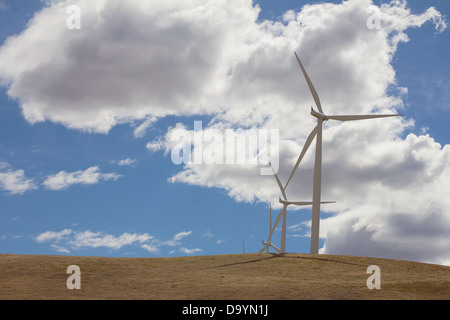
303	203
279	182
273	246
302	154
300	203
362	117
277	220
270	225
276	223
310	85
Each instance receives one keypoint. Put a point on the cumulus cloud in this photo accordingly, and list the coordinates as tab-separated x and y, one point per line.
14	182
63	180
140	61
129	61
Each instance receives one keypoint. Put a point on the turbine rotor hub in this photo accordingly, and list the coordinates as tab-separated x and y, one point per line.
318	115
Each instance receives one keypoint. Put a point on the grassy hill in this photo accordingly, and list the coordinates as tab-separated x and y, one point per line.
239	276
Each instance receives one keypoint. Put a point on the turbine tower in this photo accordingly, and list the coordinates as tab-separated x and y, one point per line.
317	131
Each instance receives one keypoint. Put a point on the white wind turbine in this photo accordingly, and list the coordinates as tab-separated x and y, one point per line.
282	214
317	131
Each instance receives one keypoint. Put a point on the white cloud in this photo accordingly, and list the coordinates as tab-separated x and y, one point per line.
14	181
181	235
60	249
125	162
62	241
88	239
3	6
175	241
62	180
247	63
141	130
155	145
150	248
297	227
190	251
208	234
98	239
53	236
106	73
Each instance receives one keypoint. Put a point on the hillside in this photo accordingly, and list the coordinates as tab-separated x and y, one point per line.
236	277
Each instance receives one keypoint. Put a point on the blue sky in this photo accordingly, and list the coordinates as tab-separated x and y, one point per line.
115	195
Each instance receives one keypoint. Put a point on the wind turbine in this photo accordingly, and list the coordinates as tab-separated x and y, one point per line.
282	214
317	131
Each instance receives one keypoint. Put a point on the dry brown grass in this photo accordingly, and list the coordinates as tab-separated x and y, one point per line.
228	277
